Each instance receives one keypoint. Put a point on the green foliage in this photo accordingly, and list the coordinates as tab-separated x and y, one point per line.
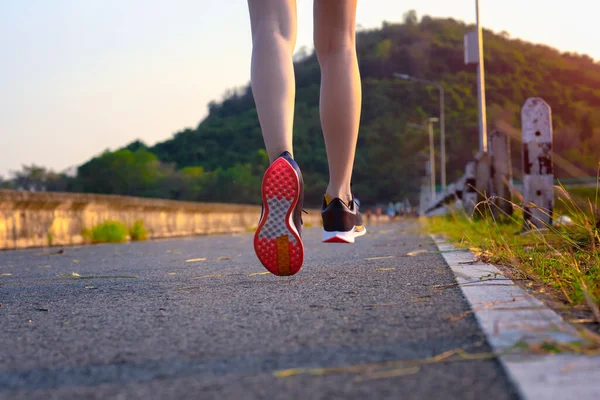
109	232
138	231
120	172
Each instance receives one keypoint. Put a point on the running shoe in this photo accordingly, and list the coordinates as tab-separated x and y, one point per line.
342	222
278	238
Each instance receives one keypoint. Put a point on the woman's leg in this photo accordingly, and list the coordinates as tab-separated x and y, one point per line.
277	240
273	24
341	96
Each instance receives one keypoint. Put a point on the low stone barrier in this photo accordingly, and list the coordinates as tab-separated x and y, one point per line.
30	219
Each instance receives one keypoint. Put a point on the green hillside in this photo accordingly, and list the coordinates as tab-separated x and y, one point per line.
223	158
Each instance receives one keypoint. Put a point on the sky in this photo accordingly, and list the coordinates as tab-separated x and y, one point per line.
78	77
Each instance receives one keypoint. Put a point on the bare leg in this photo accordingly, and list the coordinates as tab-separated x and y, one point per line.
341	95
274	28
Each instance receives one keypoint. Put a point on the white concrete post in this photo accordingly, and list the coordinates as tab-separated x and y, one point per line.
501	172
425	195
469	192
483	182
538	173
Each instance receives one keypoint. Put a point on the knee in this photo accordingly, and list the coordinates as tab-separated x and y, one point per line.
328	42
268	30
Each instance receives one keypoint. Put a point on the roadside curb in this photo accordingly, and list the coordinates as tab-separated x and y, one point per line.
512	319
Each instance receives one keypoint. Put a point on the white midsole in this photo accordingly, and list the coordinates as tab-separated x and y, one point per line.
360	233
291	218
345	236
292	225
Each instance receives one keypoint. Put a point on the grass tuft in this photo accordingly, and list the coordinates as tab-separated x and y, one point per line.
564	257
109	232
138	231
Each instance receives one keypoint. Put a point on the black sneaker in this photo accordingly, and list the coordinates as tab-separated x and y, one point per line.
278	238
341	222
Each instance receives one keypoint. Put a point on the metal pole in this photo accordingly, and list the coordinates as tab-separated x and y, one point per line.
442	140
431	159
483	145
442	122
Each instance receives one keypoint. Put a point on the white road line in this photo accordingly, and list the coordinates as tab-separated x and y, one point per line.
509	316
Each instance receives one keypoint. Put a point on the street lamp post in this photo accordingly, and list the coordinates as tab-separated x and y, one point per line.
474	55
442	123
430	122
483	139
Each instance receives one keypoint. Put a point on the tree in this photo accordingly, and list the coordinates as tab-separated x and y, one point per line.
383	52
136	145
36	178
410	17
121	172
4	184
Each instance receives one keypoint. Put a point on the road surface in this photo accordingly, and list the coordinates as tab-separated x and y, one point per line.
199	318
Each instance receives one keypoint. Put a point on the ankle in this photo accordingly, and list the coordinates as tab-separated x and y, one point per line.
345	195
276	152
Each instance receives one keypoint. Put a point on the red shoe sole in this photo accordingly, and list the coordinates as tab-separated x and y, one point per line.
277	243
336	239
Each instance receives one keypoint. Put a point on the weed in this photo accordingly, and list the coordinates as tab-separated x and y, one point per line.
86	234
109	232
138	231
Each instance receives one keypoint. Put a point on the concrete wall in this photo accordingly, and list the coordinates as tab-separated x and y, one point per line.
43	219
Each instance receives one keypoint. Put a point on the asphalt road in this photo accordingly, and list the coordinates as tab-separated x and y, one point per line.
359	321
